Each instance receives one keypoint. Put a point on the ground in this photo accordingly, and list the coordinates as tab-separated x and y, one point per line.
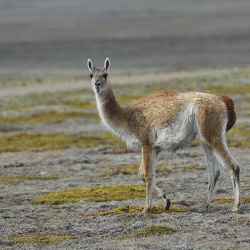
66	183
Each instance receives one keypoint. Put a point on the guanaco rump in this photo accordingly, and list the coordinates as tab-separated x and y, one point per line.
168	120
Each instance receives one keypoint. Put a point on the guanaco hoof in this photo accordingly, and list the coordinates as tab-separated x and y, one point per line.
168	203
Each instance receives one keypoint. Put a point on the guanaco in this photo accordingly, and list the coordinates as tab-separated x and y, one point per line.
168	120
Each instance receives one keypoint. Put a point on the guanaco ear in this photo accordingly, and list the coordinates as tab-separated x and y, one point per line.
90	65
106	64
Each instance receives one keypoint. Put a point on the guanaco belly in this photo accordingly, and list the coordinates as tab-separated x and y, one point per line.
178	134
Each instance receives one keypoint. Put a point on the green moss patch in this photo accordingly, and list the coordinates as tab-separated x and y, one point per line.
229	200
74	103
77	103
107	139
50	142
124	169
129	168
123	210
242	221
239	143
222	200
10	179
228	89
48	117
155	230
36	142
239	136
243	130
40	238
191	167
151	231
97	194
8	128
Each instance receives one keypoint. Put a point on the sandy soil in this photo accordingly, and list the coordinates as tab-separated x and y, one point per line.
82	167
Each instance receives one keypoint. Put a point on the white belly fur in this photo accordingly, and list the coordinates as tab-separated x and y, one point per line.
178	134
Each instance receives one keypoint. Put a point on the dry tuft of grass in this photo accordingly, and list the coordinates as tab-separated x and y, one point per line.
36	142
191	167
155	230
46	238
53	142
97	194
125	210
151	231
10	179
229	200
230	90
242	221
131	168
48	117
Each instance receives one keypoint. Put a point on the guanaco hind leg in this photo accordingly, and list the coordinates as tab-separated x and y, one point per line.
223	156
227	160
213	175
212	127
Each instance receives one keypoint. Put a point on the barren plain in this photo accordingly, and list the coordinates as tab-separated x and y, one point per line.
66	183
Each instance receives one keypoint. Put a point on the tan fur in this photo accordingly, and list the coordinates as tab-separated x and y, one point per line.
230	110
168	120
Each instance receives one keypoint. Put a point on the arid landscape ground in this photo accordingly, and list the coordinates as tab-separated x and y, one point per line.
65	182
68	184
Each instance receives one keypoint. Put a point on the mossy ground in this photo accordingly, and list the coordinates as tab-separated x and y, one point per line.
239	136
97	194
46	238
52	142
11	179
58	133
192	167
132	168
124	210
48	117
155	230
229	200
151	231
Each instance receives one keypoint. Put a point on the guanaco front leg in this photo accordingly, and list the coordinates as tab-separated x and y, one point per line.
160	192
149	156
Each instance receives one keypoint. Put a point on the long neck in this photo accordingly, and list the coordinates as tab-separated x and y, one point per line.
112	114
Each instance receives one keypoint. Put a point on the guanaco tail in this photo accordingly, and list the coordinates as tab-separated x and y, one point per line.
168	120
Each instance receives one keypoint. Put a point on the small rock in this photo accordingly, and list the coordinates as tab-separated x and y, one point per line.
209	222
221	191
138	224
83	159
82	167
85	230
5	243
14	165
43	173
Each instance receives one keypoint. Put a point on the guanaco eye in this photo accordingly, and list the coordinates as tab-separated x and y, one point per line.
105	76
91	76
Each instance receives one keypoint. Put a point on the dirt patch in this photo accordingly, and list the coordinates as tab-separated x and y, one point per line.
87	158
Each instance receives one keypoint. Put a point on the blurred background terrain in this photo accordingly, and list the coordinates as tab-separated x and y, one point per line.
56	37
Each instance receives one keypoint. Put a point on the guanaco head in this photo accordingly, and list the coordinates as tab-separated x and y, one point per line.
99	76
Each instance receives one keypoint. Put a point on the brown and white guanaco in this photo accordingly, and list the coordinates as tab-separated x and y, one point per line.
167	120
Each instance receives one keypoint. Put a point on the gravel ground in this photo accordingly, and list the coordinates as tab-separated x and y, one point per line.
184	177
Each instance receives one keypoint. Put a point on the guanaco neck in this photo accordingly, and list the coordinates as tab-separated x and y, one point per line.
111	113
